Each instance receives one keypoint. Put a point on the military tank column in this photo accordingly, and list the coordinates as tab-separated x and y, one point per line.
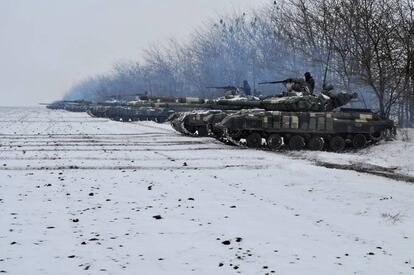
296	119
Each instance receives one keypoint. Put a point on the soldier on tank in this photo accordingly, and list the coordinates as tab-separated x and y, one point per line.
246	88
310	82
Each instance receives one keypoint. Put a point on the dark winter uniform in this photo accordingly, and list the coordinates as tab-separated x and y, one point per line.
310	82
246	88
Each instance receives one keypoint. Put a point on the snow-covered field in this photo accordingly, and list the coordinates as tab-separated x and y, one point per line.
80	195
398	155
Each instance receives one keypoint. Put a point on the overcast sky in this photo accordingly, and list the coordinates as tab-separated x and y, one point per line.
48	45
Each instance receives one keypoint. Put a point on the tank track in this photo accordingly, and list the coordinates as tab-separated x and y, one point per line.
178	124
285	146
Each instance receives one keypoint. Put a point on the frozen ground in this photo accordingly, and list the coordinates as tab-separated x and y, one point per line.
398	155
89	196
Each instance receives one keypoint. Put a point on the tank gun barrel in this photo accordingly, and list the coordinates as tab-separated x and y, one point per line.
223	87
277	81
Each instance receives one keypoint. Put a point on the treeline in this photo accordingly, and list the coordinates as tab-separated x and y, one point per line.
365	46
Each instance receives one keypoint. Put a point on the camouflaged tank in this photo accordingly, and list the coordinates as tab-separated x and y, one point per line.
333	130
56	105
72	106
202	121
129	114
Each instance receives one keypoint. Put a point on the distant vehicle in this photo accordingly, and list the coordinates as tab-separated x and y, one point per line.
72	106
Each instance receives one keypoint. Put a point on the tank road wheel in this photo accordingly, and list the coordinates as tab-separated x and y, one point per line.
297	143
192	131
217	133
359	141
337	144
236	135
254	140
316	143
202	131
274	141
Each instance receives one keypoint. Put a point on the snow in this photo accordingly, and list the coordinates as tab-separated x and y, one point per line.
78	195
397	154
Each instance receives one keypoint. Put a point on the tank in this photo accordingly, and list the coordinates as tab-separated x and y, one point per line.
129	114
333	130
201	121
72	106
56	105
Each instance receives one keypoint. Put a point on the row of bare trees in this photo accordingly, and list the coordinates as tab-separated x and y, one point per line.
368	43
358	45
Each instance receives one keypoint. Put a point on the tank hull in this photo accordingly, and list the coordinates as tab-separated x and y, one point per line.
199	122
335	130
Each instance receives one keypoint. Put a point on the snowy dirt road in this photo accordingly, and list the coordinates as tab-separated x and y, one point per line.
81	195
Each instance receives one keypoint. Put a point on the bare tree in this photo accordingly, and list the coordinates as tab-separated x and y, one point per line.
359	45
